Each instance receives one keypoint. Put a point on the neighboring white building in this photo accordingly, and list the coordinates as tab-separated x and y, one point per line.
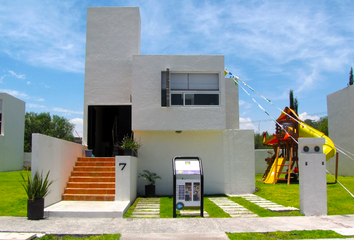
174	104
340	110
12	130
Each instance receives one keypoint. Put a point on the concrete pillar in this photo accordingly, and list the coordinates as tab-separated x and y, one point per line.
313	180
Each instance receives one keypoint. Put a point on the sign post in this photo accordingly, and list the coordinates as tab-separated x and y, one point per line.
188	183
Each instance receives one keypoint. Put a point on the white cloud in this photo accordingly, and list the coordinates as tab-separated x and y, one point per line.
20	76
15	93
33	105
303	116
62	110
246	123
245	104
79	126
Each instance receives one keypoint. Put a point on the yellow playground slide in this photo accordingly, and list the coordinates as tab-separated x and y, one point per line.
305	131
271	175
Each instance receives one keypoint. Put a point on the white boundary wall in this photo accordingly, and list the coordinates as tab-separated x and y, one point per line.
341	128
13	130
57	156
126	179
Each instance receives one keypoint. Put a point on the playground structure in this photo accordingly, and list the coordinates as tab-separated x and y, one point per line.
285	145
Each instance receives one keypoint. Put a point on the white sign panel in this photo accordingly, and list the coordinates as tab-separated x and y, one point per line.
187	167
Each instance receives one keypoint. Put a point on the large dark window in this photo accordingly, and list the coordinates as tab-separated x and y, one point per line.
188	89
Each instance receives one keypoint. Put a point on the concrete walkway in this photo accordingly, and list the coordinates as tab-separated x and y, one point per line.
186	228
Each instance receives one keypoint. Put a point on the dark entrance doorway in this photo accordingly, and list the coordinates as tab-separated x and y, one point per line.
107	125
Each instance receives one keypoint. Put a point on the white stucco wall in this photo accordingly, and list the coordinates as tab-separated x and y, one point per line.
12	137
239	164
340	110
112	38
57	156
231	104
147	113
126	178
260	156
227	155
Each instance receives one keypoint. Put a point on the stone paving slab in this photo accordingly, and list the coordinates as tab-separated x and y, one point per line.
235	210
17	236
147	208
264	203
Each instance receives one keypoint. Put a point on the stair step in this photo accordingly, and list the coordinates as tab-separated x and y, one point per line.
90	185
96	159
94	164
90	191
92	174
95	169
92	179
88	197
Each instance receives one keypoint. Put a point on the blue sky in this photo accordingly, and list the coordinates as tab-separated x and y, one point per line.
274	46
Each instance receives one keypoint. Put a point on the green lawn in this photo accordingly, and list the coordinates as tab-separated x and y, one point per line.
98	237
13	196
338	199
316	234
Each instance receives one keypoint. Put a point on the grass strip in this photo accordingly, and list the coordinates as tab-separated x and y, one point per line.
131	209
316	234
93	237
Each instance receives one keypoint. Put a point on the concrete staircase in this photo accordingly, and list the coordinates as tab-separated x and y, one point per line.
92	179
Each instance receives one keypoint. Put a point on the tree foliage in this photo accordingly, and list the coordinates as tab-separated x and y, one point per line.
321	125
258	140
351	79
58	127
293	103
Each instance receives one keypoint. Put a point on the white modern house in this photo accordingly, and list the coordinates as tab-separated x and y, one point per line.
12	128
175	105
341	128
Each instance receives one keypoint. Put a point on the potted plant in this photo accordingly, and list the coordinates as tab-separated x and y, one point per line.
151	177
130	146
37	189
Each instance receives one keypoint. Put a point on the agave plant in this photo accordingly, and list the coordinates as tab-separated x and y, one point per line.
36	188
128	142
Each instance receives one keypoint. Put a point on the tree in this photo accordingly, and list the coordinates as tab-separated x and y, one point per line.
258	141
351	79
321	125
58	127
293	103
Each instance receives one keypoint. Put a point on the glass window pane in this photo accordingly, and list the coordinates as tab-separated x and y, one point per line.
189	99
179	81
176	99
204	81
202	99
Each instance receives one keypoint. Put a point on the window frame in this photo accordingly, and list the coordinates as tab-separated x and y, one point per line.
194	91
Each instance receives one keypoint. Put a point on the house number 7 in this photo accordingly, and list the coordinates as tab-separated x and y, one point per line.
122	164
